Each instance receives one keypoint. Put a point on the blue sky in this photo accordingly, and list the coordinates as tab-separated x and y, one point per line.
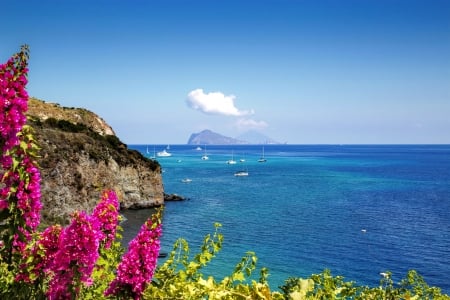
303	72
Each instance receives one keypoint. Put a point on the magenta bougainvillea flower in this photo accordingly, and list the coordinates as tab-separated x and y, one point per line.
74	261
20	178
136	269
40	256
107	213
13	99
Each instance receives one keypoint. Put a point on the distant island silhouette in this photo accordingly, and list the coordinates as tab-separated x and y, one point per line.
209	137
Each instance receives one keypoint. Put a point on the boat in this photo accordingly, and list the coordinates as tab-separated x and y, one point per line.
205	157
186	180
198	148
241	173
262	158
154	153
231	161
163	153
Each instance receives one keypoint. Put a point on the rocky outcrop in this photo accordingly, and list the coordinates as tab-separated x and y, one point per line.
45	110
79	158
173	197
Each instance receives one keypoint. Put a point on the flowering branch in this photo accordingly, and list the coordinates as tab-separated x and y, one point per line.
136	269
20	181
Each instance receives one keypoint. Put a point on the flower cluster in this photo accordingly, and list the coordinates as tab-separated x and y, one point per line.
77	253
21	177
13	98
68	256
107	213
138	264
41	256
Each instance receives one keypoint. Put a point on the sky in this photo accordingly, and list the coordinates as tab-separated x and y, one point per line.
300	72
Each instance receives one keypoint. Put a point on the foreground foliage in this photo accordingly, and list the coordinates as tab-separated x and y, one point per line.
85	260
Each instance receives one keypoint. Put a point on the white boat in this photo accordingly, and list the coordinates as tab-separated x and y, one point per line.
262	158
154	153
198	148
163	153
231	161
186	180
205	157
241	173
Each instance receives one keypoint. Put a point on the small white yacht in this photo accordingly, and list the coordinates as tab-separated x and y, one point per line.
241	173
163	153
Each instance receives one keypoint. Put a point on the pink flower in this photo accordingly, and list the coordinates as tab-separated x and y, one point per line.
41	256
3	204
76	256
20	181
136	269
107	213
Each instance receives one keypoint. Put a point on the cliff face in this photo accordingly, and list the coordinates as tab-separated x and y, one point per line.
80	157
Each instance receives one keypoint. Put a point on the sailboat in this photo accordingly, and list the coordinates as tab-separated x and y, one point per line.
154	153
231	161
262	158
242	159
205	157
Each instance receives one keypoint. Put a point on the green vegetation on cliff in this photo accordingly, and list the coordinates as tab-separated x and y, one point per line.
76	130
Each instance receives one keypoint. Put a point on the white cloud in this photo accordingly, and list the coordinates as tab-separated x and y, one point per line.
215	103
246	124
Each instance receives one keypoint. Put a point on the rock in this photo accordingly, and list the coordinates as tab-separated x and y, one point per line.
173	197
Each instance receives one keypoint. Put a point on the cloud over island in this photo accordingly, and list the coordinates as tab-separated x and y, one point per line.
217	103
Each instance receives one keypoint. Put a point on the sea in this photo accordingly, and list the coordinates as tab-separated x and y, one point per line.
357	210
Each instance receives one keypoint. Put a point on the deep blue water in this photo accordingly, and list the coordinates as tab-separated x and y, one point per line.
355	209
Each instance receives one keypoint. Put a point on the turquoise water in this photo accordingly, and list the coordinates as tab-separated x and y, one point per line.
357	210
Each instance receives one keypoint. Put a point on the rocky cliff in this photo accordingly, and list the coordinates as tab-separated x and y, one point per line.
80	157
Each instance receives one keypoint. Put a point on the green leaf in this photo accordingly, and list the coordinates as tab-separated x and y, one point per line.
239	276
